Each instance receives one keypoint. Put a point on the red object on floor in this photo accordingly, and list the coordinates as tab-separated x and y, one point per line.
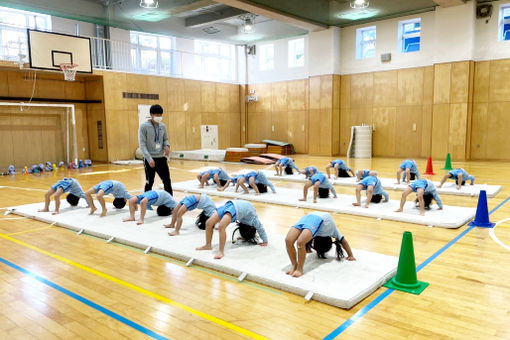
274	156
257	160
429	170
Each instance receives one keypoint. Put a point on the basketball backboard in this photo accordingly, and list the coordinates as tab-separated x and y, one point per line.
48	50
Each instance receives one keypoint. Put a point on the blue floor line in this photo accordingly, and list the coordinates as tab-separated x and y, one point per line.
388	291
61	289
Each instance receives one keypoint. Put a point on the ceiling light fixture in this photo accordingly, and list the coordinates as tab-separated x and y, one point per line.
149	4
358	4
248	22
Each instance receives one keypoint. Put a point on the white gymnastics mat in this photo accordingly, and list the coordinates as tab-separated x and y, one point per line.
129	162
449	187
449	217
341	284
200	155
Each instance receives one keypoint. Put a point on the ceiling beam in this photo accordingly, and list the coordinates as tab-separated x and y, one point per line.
274	14
213	17
191	7
449	3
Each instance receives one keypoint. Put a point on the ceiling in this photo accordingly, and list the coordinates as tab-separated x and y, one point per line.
219	20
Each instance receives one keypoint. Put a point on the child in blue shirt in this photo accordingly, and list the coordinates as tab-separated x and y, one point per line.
285	163
69	185
341	169
189	203
255	179
318	180
309	171
318	226
116	188
460	176
237	210
374	190
410	170
233	179
360	174
162	199
426	191
218	175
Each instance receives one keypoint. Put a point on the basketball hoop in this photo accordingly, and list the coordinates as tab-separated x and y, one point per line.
69	70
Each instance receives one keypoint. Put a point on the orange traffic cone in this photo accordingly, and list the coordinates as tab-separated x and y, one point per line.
429	170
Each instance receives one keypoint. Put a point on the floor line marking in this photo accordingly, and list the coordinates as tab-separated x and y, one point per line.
141	290
347	323
86	301
493	234
29	231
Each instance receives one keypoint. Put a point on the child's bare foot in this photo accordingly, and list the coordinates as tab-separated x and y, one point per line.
297	273
168	225
218	255
314	201
139	222
291	270
206	247
302	199
55	213
200	186
398	210
173	233
366	206
92	210
103	213
356	204
128	219
42	210
246	192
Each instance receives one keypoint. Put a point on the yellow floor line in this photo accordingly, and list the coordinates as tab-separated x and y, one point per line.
108	171
29	231
156	296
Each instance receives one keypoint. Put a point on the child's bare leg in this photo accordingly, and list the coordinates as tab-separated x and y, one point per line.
100	198
327	170
132	207
143	210
358	195
180	212
316	191
209	225
174	216
225	221
89	193
291	237
58	193
305	190
305	237
254	186
47	197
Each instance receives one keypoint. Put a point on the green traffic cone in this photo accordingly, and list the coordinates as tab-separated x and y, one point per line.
406	280
448	163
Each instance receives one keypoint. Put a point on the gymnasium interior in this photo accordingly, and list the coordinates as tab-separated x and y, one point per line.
244	84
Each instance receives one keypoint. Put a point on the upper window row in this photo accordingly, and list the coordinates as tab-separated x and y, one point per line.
296	55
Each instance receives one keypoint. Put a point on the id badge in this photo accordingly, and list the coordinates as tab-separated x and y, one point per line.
158	145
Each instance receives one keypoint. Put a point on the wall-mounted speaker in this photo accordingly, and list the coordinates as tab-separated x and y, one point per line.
385	57
251	49
483	11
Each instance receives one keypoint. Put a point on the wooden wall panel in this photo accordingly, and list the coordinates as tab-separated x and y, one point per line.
440	128
279	97
114	84
499	88
442	81
408	127
279	128
296	95
208	99
459	82
457	130
6	148
176	129
234	129
385	89
426	135
265	98
479	131
497	129
297	132
175	95
326	96
361	89
192	96
314	92
362	115
383	138
345	129
193	122
410	86
345	91
428	85
4	84
222	98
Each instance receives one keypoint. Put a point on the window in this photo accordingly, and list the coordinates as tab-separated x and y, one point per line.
214	60
13	33
266	59
365	42
297	52
504	20
151	53
409	35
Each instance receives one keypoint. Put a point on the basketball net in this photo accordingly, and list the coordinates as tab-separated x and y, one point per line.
69	70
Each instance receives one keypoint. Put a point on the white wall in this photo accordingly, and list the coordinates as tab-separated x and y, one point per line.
487	45
281	69
67	26
324	52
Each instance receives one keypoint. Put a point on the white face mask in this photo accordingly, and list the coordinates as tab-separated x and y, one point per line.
158	119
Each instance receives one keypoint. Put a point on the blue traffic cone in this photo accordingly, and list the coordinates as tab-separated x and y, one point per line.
482	213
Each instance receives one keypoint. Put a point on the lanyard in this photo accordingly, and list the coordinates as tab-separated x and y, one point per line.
156	133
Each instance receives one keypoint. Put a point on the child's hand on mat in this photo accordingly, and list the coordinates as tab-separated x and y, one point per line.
263	244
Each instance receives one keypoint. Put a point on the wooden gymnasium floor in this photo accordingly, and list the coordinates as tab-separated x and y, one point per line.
468	296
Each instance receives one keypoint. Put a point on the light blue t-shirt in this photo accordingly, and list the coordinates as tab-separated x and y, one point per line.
328	227
116	188
286	161
206	204
428	188
364	173
341	164
376	183
157	198
72	186
246	213
324	182
260	178
465	176
308	171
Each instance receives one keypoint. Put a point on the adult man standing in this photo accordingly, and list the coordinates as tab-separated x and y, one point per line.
153	141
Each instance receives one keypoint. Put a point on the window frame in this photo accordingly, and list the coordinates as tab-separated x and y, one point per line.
360	43
137	48
293	60
402	36
503	22
264	64
207	51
